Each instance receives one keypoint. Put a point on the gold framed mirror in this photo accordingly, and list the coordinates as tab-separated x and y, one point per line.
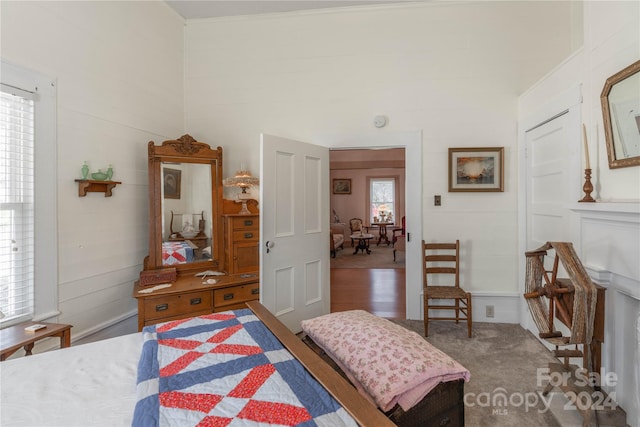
620	101
185	206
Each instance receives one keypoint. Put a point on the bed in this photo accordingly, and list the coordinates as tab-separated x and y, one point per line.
100	383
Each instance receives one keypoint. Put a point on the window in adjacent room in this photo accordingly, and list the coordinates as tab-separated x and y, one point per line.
28	238
382	196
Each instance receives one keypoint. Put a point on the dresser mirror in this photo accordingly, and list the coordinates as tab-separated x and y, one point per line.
185	200
186	213
620	101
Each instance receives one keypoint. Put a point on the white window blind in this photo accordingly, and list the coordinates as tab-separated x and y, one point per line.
17	136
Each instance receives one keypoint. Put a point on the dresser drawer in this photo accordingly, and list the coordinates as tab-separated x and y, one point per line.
183	305
236	294
246	235
239	223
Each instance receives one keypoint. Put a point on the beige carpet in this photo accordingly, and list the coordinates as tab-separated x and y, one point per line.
380	257
503	360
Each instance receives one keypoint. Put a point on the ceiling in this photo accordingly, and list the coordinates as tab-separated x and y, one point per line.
193	9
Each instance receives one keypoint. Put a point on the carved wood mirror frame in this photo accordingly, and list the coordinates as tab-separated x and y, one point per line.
621	121
184	150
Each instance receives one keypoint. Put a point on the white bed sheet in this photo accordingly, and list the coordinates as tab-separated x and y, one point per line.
87	385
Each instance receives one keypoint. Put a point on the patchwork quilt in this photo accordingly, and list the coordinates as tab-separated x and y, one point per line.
176	253
226	369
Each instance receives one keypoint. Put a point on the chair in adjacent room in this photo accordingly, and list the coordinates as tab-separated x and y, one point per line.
397	232
400	245
441	281
356	225
336	237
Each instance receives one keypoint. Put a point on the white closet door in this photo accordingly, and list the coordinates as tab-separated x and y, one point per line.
548	164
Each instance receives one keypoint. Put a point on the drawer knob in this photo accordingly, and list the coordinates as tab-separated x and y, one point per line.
227	297
248	235
196	301
162	307
248	222
255	291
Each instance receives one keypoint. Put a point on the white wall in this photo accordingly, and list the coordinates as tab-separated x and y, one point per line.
606	234
119	69
453	71
612	42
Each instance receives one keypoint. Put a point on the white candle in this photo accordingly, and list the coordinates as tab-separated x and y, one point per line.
586	147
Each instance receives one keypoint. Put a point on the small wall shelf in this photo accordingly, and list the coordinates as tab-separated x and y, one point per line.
90	186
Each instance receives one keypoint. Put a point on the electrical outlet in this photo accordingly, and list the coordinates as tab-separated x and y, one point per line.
489	311
437	201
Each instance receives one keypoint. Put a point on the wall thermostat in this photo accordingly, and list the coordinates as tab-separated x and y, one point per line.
379	121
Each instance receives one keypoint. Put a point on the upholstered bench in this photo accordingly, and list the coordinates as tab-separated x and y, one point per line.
336	240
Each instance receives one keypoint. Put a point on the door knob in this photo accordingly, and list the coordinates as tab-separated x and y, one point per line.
269	245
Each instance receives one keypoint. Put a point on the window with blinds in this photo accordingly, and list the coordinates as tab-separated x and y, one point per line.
17	136
382	194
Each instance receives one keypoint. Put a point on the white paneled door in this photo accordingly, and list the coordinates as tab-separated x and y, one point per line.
294	258
547	157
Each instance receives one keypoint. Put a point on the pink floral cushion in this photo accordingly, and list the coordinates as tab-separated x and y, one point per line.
387	363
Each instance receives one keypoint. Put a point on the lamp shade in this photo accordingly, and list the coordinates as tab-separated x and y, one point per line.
242	179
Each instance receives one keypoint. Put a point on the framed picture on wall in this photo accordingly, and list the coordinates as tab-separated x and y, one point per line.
476	169
171	183
341	186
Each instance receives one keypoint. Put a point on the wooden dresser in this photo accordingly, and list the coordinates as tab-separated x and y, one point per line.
188	296
241	240
226	241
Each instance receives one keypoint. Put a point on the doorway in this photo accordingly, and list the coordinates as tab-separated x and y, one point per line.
373	280
411	141
546	154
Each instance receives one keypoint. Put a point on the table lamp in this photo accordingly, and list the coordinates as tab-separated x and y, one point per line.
244	180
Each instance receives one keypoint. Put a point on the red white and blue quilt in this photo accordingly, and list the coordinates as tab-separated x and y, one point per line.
226	369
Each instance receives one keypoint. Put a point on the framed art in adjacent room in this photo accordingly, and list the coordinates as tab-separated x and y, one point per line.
476	169
171	187
341	186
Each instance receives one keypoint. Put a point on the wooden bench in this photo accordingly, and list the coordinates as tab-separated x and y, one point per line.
15	337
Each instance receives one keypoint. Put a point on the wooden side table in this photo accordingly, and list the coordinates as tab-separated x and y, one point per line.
15	337
363	242
383	232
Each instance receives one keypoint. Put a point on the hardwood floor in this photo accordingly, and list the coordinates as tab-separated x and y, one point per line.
378	291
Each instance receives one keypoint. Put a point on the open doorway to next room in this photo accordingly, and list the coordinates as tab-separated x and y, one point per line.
368	271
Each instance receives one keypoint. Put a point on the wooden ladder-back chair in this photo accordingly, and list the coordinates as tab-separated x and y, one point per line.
443	259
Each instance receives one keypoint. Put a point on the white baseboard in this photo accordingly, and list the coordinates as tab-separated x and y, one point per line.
506	307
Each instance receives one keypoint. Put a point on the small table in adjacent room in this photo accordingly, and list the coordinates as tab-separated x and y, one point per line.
382	226
363	242
15	337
